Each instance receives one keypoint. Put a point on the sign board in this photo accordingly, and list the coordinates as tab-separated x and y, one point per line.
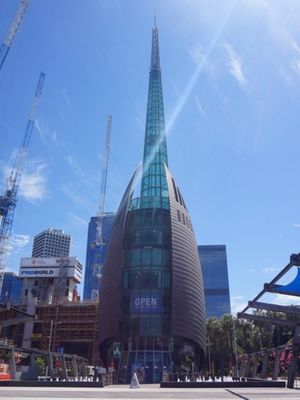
51	267
146	303
50	262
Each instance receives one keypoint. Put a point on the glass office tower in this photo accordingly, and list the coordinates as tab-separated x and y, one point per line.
11	289
95	256
152	300
213	261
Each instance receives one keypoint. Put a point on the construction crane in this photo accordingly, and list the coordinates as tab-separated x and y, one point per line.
99	236
99	241
12	30
8	200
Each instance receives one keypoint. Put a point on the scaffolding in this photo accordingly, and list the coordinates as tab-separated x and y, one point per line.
70	327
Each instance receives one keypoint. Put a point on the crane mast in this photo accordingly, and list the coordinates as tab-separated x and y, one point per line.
98	243
99	238
12	30
8	200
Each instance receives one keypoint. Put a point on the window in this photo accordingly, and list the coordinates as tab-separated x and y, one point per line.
166	280
148	217
136	257
146	257
125	280
179	215
175	190
180	198
156	254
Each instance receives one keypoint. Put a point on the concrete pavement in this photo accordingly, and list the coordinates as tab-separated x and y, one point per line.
150	392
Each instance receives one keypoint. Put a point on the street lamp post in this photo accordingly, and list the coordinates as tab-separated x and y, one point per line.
209	360
50	336
52	333
235	349
52	323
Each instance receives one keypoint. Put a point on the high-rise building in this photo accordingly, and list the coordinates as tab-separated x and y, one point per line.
11	289
50	280
51	274
51	243
95	256
213	260
152	316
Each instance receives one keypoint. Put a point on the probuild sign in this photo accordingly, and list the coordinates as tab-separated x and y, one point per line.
146	303
51	267
26	272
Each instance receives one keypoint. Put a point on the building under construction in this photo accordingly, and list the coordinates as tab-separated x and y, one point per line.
49	280
63	328
68	328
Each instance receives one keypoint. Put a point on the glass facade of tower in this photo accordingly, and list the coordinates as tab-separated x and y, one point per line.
146	300
152	266
95	256
146	270
213	261
11	289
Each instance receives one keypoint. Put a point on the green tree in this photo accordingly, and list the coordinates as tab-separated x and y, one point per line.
40	364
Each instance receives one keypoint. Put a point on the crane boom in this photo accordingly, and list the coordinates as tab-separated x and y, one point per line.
12	30
8	201
15	175
103	181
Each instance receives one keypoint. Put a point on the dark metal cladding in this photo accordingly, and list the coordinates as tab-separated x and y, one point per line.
188	307
110	294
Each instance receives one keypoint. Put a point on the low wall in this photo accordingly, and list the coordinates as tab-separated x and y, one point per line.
51	384
245	384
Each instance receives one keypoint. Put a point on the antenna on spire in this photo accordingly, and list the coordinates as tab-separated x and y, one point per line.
154	18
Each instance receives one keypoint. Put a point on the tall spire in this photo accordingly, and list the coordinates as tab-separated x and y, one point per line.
154	192
155	64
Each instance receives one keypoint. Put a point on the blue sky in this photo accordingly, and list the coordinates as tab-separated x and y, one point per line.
231	80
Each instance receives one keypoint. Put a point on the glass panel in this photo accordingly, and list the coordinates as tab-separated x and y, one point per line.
146	257
166	281
157	259
125	279
136	257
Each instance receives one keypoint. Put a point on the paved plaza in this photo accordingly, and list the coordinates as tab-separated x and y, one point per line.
146	392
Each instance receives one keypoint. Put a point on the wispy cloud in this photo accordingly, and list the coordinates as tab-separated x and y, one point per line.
54	137
195	75
286	300
77	197
199	105
75	166
238	303
76	220
296	225
67	99
33	184
235	65
42	130
90	180
279	24
286	75
196	53
17	243
270	270
296	66
45	132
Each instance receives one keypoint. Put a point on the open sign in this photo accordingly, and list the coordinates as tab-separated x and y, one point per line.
146	303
